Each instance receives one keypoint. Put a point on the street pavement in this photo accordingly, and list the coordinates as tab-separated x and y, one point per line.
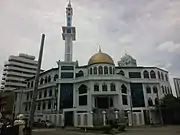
163	130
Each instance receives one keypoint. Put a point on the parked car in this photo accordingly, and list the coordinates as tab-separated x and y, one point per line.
44	124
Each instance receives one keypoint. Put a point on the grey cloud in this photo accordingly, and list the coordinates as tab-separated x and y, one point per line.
138	26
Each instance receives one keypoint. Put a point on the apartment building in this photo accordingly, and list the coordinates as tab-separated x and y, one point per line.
177	86
16	70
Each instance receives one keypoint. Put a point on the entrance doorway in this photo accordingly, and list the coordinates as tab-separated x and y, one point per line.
69	118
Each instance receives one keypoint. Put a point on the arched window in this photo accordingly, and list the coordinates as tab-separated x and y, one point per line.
105	70
156	101
80	73
96	87
41	81
104	87
146	74
56	77
49	78
150	102
50	92
45	93
162	76
44	106
123	89
124	100
49	105
152	74
82	89
148	89
39	106
113	87
95	70
121	73
154	89
100	70
91	71
83	95
46	79
170	92
166	77
40	94
159	75
163	89
110	70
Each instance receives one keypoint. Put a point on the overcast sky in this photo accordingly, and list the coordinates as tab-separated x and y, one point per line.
148	29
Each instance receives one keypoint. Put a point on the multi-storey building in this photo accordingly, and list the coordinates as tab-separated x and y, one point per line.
177	86
88	95
16	70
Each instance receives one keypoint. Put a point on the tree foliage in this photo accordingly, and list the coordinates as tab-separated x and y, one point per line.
170	107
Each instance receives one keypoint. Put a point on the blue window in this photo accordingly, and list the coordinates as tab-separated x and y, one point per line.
67	75
69	30
68	21
134	75
67	68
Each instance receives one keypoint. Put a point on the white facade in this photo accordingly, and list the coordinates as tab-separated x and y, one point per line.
90	95
177	86
16	70
80	106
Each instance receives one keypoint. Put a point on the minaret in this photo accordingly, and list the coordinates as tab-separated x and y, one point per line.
69	34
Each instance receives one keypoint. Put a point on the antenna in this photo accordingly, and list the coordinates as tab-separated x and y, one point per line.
69	1
99	48
125	52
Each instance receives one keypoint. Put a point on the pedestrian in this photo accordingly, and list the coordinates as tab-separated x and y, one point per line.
20	122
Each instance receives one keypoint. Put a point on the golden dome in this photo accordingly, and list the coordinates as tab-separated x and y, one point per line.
100	57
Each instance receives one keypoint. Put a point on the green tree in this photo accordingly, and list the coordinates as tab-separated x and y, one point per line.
170	107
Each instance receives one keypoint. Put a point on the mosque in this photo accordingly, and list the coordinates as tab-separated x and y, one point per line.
88	95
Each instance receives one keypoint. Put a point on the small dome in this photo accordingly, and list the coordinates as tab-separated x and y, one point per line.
100	57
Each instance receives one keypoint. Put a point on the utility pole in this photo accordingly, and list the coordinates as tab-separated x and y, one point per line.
33	103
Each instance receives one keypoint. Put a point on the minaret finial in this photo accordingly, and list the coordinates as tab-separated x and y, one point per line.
125	52
69	4
99	48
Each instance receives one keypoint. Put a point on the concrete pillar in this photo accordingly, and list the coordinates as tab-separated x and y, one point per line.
116	114
104	117
90	119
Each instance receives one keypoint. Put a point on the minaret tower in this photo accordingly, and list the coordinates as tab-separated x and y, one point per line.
69	34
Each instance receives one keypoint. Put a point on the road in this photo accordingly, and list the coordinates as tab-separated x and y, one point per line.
165	130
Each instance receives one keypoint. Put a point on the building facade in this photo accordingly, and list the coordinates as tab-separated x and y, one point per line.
16	70
127	61
177	86
90	95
